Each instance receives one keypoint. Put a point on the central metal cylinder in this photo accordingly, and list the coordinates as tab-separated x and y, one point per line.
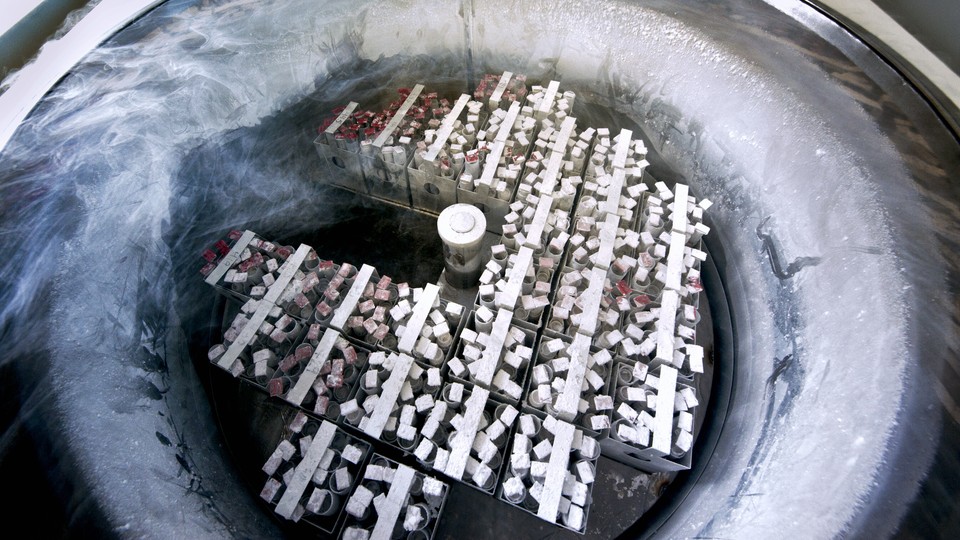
461	227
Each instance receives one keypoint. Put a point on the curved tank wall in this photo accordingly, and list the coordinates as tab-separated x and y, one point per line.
835	235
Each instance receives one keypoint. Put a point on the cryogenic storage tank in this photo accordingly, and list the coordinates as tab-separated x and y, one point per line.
830	161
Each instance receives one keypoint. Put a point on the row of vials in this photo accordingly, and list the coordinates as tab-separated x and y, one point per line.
460	431
552	386
322	476
596	275
475	153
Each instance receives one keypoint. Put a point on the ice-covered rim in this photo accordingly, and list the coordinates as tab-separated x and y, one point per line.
56	58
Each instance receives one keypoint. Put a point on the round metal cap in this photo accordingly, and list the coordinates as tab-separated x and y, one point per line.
461	225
